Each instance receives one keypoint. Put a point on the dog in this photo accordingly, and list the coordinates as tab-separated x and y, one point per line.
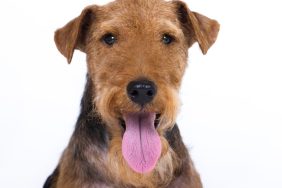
126	135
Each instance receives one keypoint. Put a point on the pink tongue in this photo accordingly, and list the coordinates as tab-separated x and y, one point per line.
141	144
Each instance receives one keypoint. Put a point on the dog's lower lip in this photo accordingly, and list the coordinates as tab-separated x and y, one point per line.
157	120
122	123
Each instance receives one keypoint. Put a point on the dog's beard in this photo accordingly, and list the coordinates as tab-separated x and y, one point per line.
141	127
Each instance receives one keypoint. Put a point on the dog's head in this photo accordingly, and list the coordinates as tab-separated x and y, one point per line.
136	56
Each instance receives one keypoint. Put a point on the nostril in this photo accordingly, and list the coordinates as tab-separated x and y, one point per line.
134	93
150	93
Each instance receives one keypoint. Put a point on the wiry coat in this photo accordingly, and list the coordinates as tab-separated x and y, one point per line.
94	157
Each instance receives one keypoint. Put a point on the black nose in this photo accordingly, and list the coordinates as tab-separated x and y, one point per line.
142	91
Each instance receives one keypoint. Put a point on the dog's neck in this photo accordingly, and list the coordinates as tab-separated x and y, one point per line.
89	121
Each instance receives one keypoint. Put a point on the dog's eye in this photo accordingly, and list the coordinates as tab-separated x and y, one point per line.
109	39
167	39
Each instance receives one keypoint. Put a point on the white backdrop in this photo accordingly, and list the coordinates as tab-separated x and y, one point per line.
231	116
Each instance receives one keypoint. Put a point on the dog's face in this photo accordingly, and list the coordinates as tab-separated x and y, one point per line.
136	55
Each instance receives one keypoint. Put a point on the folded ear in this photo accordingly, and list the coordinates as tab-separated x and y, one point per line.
197	27
74	34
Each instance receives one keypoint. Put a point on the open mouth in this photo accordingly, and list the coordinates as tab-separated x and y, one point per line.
156	122
141	144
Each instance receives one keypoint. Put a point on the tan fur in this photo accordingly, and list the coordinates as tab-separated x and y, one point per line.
139	53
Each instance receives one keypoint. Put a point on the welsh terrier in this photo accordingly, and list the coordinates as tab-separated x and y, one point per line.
126	135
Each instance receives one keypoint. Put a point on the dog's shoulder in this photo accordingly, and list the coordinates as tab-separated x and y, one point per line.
52	179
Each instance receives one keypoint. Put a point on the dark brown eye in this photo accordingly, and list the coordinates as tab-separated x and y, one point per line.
109	39
167	39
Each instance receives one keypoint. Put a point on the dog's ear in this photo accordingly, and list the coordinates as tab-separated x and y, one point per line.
197	27
74	34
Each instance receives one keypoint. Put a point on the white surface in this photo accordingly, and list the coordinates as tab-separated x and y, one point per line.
231	116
